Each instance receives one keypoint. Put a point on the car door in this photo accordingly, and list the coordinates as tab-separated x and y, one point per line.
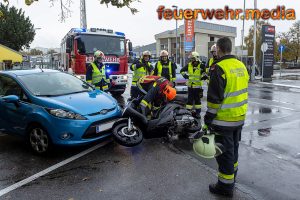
13	117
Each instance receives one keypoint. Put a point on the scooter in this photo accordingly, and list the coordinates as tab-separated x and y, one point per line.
172	121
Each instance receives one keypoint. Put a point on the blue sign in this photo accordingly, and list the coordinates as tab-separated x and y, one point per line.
281	48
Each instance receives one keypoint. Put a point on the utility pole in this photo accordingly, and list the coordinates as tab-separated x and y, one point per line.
254	45
83	23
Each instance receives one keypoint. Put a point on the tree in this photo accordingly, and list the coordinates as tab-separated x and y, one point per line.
35	52
65	5
51	51
295	40
249	40
16	30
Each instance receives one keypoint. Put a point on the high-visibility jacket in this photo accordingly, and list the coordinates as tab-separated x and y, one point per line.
160	68
140	72
194	76
232	111
210	62
98	75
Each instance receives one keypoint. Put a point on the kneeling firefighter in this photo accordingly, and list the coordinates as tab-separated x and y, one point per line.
158	92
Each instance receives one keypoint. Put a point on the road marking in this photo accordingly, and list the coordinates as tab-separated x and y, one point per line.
272	105
279	84
50	169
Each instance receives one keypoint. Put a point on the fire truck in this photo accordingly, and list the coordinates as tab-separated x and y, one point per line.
79	45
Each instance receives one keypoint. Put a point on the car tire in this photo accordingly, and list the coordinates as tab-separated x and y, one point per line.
122	137
39	140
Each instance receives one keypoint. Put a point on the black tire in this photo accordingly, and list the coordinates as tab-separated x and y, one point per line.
122	137
195	127
38	140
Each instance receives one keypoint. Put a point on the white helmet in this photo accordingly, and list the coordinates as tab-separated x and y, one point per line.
146	53
213	48
195	55
99	54
164	53
207	148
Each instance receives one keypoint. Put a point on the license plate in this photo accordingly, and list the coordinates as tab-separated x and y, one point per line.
104	126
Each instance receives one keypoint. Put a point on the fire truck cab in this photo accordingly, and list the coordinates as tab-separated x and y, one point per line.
79	45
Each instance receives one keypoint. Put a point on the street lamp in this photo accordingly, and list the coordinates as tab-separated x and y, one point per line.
176	37
254	45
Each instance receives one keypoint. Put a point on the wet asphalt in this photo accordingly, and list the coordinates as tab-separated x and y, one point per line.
269	162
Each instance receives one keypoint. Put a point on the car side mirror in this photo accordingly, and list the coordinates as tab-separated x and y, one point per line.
11	99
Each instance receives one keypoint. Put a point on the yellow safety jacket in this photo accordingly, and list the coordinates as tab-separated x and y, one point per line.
98	75
139	72
232	111
194	76
160	67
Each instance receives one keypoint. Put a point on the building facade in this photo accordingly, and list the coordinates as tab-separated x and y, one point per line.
205	35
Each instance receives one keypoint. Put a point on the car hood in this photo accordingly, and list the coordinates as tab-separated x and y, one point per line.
85	103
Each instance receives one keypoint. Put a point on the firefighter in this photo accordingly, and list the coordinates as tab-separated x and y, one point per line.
158	91
165	68
96	72
227	98
140	68
214	57
193	71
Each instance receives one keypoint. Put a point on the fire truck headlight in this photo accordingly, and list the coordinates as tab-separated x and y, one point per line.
125	77
108	70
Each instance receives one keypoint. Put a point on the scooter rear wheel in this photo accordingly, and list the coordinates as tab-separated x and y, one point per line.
127	138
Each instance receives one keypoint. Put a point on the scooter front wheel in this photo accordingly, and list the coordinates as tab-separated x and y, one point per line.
125	137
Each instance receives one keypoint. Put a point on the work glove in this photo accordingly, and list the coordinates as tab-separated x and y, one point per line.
204	76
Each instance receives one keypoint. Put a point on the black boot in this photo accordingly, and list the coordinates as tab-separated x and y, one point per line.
198	113
216	189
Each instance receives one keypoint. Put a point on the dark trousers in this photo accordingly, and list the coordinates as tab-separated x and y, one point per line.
134	91
228	160
194	98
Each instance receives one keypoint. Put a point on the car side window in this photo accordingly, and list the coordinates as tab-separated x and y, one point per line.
9	86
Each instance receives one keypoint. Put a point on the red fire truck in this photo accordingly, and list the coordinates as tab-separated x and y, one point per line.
79	45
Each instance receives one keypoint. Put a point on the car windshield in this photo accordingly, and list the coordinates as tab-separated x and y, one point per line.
88	44
54	84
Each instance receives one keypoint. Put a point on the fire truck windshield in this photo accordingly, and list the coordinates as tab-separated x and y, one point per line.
109	45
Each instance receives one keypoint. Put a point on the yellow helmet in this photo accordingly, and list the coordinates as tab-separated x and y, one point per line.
195	55
98	54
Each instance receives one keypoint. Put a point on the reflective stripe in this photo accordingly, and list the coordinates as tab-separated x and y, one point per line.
212	110
227	179
236	166
198	106
133	84
196	86
144	103
213	105
189	107
97	87
234	105
237	93
223	123
105	87
89	81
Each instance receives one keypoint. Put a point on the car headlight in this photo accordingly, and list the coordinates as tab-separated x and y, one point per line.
65	114
125	77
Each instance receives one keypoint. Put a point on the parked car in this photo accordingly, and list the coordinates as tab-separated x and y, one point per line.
181	82
49	107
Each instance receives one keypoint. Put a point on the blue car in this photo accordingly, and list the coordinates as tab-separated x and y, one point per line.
50	108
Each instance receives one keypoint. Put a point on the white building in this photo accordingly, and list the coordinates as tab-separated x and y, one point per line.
206	34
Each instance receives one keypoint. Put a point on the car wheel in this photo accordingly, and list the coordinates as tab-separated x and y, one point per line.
39	140
127	138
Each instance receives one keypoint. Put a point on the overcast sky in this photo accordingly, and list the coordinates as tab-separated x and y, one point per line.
139	28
